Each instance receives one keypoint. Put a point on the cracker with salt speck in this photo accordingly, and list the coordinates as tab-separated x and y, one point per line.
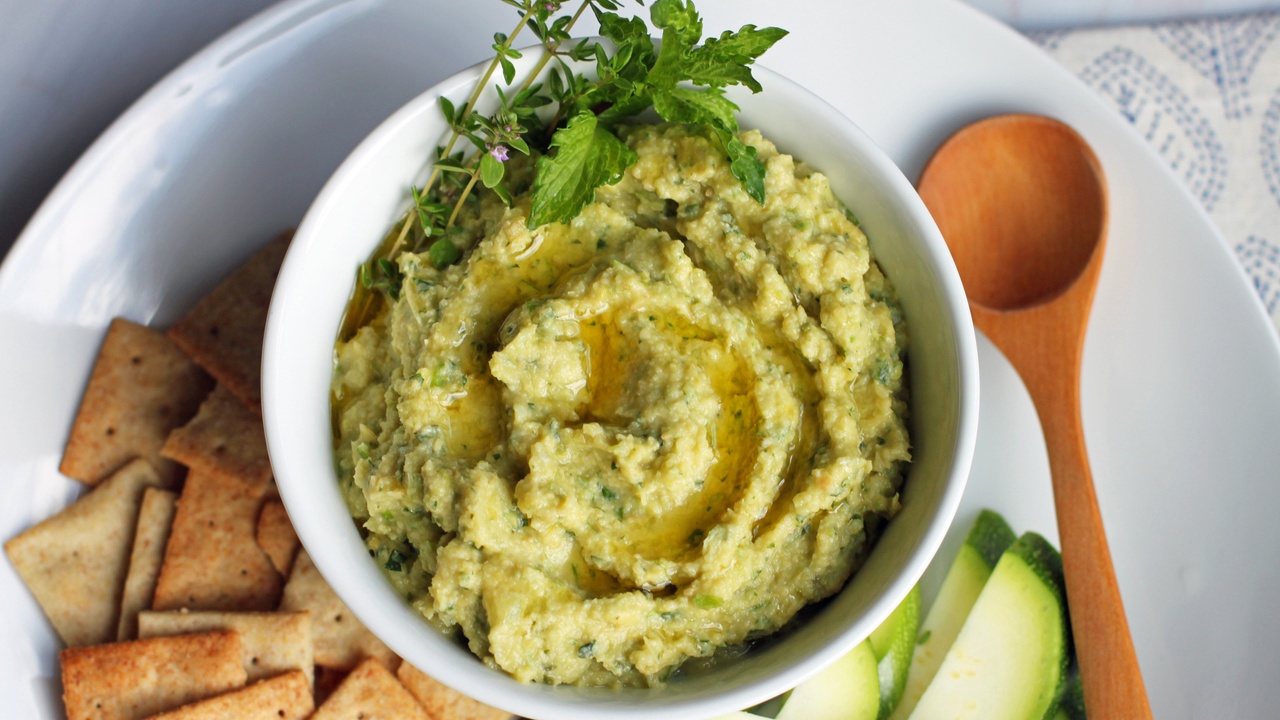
136	679
273	643
223	332
276	535
224	439
154	520
341	641
443	702
370	692
284	697
142	387
212	561
75	562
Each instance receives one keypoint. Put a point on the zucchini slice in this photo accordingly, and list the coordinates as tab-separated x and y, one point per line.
987	540
1009	661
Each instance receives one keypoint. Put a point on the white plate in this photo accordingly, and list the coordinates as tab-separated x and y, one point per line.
1182	372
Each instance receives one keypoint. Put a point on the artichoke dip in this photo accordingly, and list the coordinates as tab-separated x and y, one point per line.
596	450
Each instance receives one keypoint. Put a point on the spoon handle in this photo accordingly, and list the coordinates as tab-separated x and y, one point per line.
1110	676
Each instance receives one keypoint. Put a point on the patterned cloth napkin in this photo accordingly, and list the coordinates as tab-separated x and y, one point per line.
1206	94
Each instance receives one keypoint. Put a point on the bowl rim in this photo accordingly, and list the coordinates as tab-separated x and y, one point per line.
533	700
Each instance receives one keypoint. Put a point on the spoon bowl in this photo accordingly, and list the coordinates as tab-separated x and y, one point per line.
1022	204
1033	192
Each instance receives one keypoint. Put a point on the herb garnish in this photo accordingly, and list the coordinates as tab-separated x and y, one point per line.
569	122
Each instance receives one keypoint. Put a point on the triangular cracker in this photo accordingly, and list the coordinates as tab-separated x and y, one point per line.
443	702
212	561
154	520
75	562
223	332
224	439
272	642
372	693
136	679
284	697
276	535
341	641
142	386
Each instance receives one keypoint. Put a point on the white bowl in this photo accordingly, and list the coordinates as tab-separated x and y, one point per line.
370	191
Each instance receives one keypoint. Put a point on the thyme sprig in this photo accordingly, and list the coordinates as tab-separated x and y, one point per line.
568	123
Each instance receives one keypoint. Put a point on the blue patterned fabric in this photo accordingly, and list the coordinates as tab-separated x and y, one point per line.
1206	95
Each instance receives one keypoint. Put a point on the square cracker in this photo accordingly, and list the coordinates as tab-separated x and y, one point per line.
443	702
223	332
136	679
341	641
154	520
224	439
212	561
370	692
276	535
273	643
284	697
75	562
142	386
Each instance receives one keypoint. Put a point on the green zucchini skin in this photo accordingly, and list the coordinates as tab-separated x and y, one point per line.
987	540
1009	661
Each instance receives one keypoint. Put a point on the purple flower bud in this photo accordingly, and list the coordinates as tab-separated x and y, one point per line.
499	152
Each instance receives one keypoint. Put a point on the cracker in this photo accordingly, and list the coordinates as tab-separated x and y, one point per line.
154	520
341	641
273	643
443	702
223	332
135	679
142	387
224	439
276	535
370	692
327	681
286	697
75	562
212	561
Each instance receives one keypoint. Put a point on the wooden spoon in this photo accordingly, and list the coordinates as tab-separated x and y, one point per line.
1022	203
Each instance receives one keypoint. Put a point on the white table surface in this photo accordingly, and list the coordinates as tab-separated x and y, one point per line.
70	67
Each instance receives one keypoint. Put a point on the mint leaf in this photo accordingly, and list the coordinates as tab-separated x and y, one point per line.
726	60
743	163
686	105
681	30
678	16
586	157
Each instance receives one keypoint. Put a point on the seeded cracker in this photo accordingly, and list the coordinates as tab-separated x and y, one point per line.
273	643
370	692
154	521
212	561
76	561
284	697
142	386
223	332
224	439
443	702
136	679
276	535
341	641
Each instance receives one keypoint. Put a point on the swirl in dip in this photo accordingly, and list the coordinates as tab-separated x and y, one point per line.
599	449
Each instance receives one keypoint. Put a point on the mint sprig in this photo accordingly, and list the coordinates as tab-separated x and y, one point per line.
569	122
683	80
